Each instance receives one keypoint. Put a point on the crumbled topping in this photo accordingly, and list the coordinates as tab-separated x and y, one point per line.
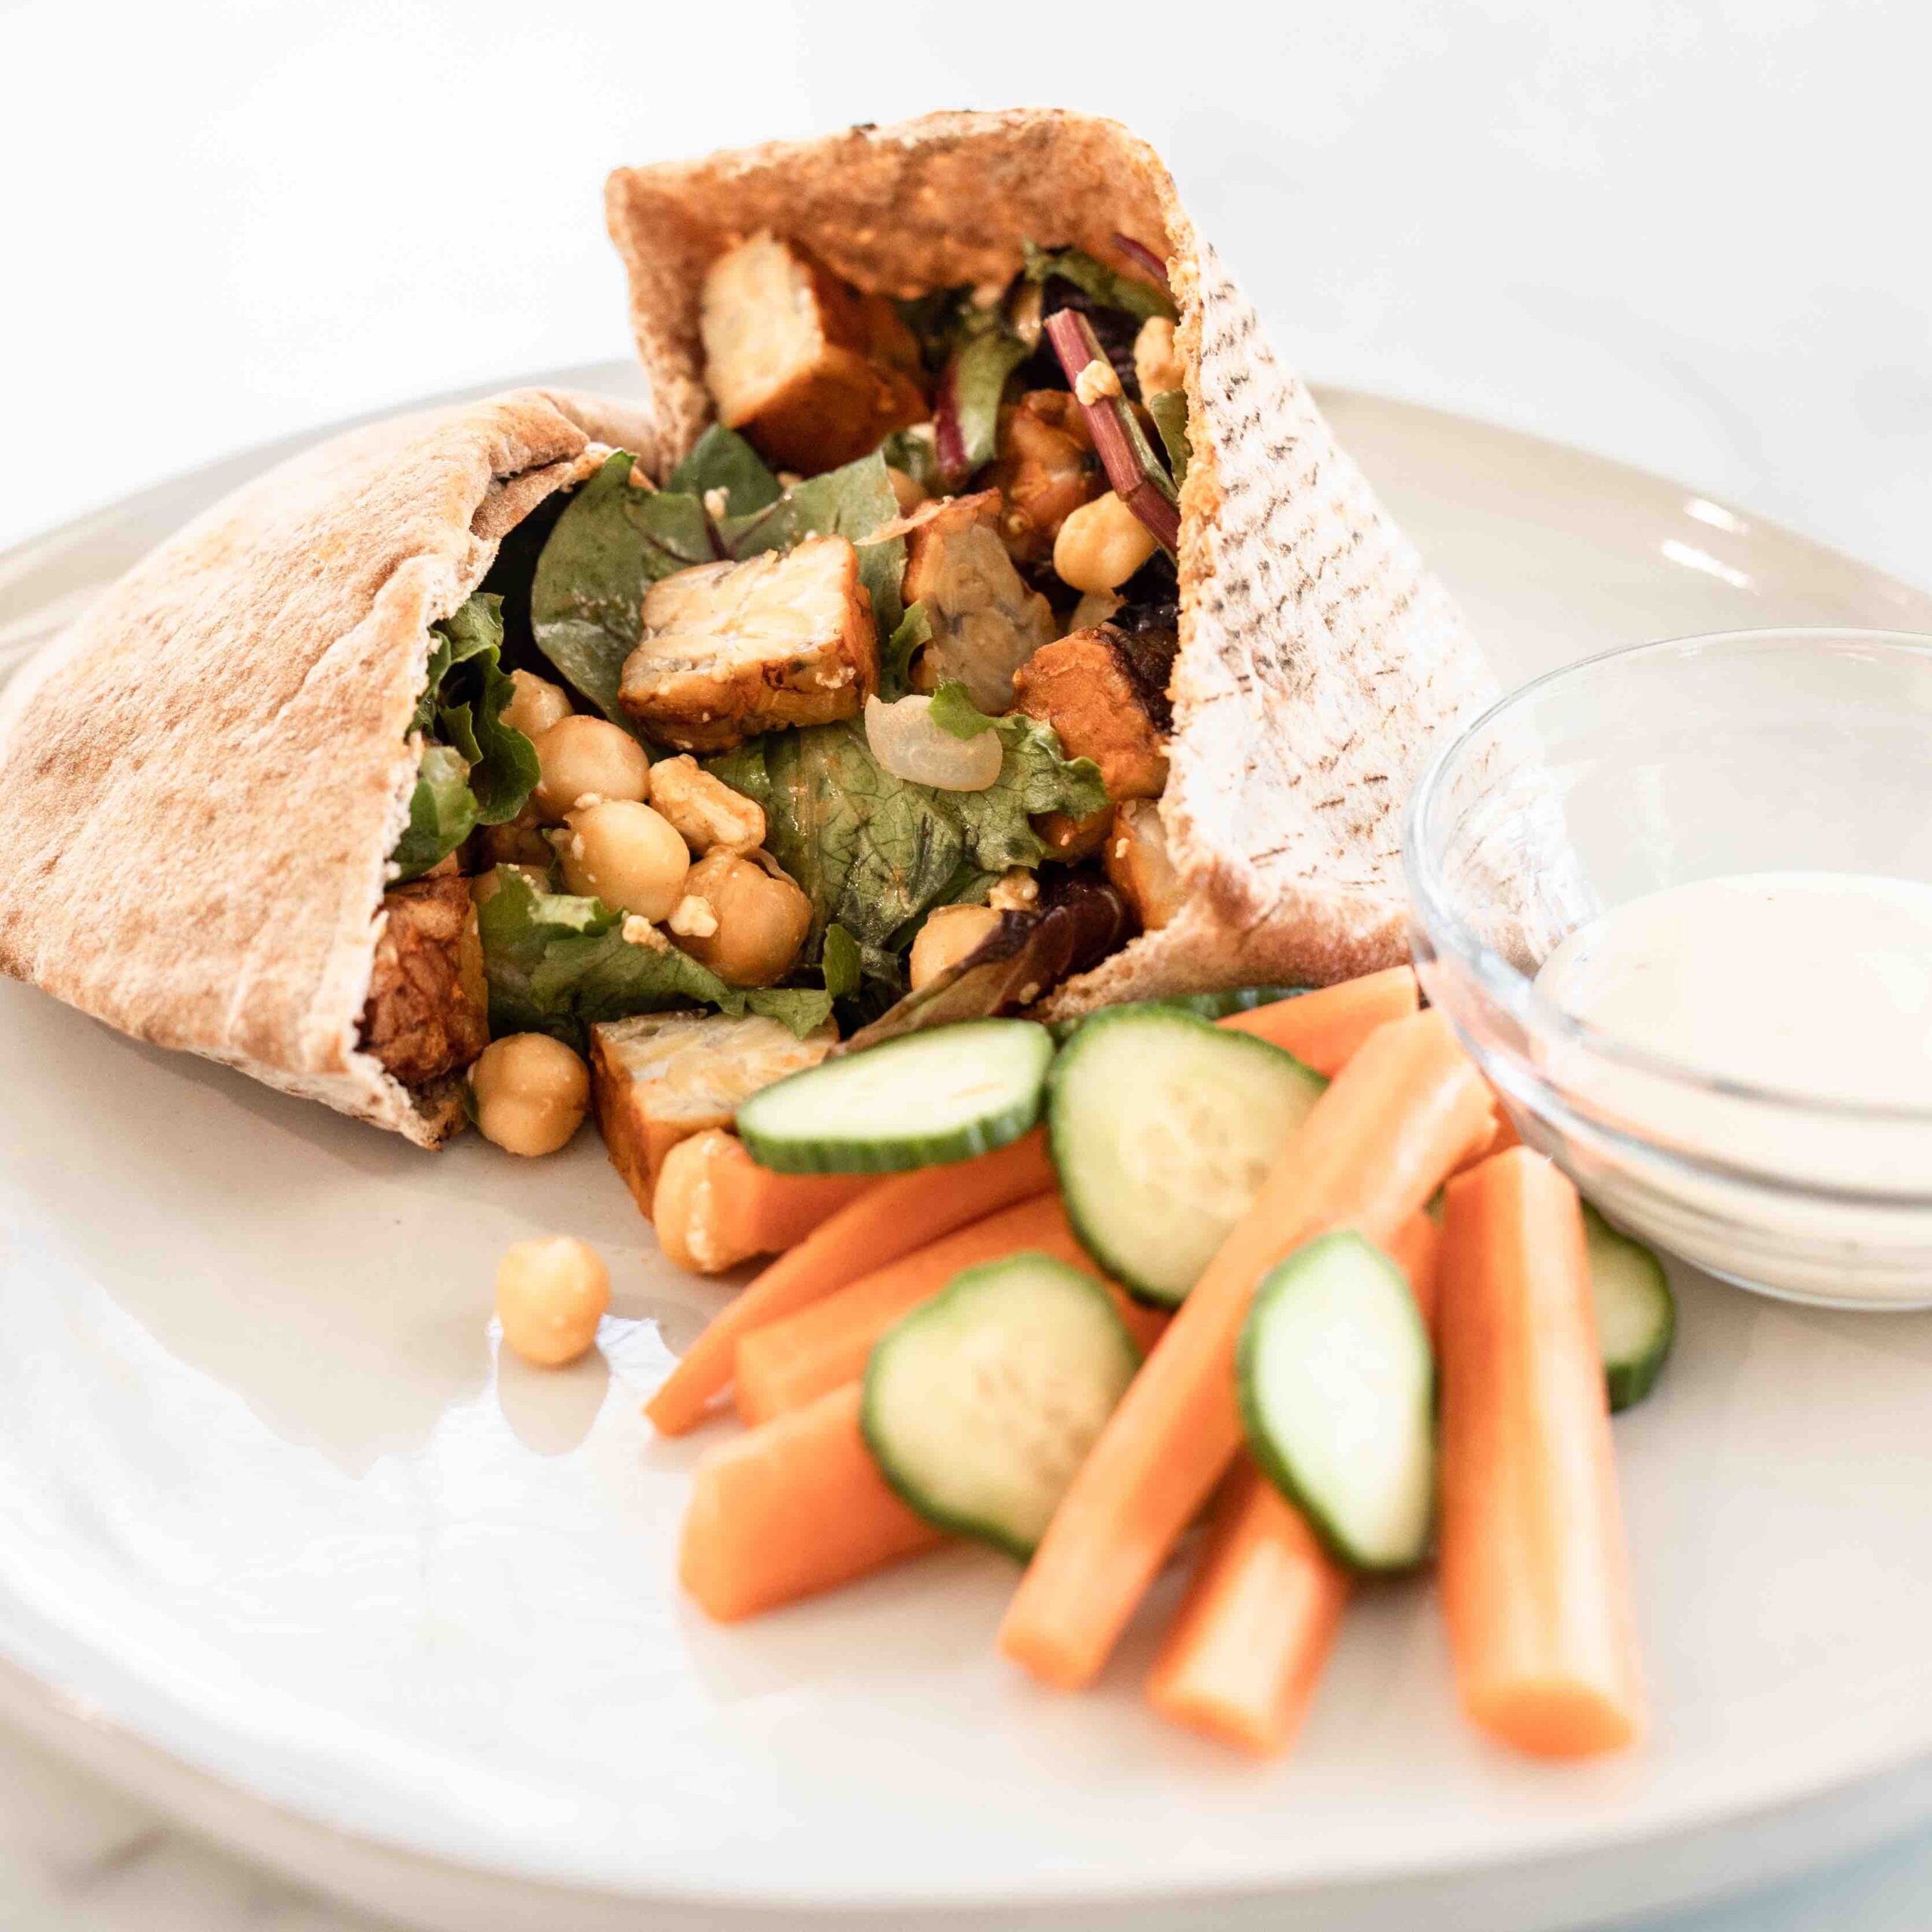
586	799
692	917
1017	891
716	500
637	931
1096	383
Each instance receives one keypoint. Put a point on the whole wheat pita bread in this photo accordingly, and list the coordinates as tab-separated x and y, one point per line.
201	780
1319	662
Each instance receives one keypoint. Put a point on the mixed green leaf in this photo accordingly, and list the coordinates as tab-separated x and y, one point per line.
1107	287
874	853
558	964
474	770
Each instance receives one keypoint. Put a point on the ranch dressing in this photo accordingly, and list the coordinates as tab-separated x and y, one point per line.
1813	986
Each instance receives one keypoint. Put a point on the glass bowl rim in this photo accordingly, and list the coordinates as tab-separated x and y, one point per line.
1446	932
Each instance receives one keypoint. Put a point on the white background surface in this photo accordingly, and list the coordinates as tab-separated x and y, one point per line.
1690	236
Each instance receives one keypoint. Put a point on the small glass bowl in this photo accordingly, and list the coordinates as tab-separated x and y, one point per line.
1772	751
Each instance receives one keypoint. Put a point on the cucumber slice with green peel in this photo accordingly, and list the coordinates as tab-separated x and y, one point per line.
1162	1128
1204	1006
1636	1311
980	1405
1337	1389
921	1101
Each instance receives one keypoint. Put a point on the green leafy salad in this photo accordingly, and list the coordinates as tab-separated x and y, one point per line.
842	702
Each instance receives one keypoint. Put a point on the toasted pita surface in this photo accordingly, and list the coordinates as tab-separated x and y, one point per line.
201	782
1319	661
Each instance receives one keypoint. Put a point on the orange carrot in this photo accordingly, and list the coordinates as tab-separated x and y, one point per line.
1505	1138
794	1508
715	1207
1324	1029
1246	1651
1535	1584
1373	1149
899	1215
795	1360
1415	1248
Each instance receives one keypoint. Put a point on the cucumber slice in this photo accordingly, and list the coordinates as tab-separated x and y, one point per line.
1636	1311
1163	1128
1337	1389
1204	1006
980	1405
916	1101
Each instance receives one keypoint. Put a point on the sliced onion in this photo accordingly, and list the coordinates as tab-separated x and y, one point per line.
911	746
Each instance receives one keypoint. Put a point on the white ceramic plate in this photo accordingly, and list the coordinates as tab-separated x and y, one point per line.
283	1545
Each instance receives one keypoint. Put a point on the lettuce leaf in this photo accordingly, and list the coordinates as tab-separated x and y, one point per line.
614	541
1169	410
442	813
874	853
1094	279
474	770
953	712
895	652
974	385
558	964
722	459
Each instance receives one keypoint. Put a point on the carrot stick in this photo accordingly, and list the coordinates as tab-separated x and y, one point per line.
901	1213
1324	1029
790	1362
715	1207
1373	1149
792	1508
1246	1651
1415	1248
1505	1138
1535	1583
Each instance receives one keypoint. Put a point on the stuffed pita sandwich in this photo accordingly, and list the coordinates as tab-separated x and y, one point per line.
974	618
1125	520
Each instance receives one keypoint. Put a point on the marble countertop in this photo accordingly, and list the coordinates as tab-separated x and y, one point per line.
1670	235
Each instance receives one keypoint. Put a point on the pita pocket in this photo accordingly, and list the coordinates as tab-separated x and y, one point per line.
1259	756
205	782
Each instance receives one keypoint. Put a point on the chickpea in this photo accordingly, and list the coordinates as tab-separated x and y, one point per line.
588	757
626	854
531	1091
1101	545
551	1294
761	920
536	704
1156	361
950	934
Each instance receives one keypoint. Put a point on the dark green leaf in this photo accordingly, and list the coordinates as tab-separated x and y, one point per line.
464	693
559	964
722	459
803	1009
852	502
895	657
842	962
1106	286
1169	410
442	813
912	451
613	543
875	853
976	381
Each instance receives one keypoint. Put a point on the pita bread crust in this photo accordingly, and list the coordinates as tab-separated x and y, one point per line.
201	780
1319	662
